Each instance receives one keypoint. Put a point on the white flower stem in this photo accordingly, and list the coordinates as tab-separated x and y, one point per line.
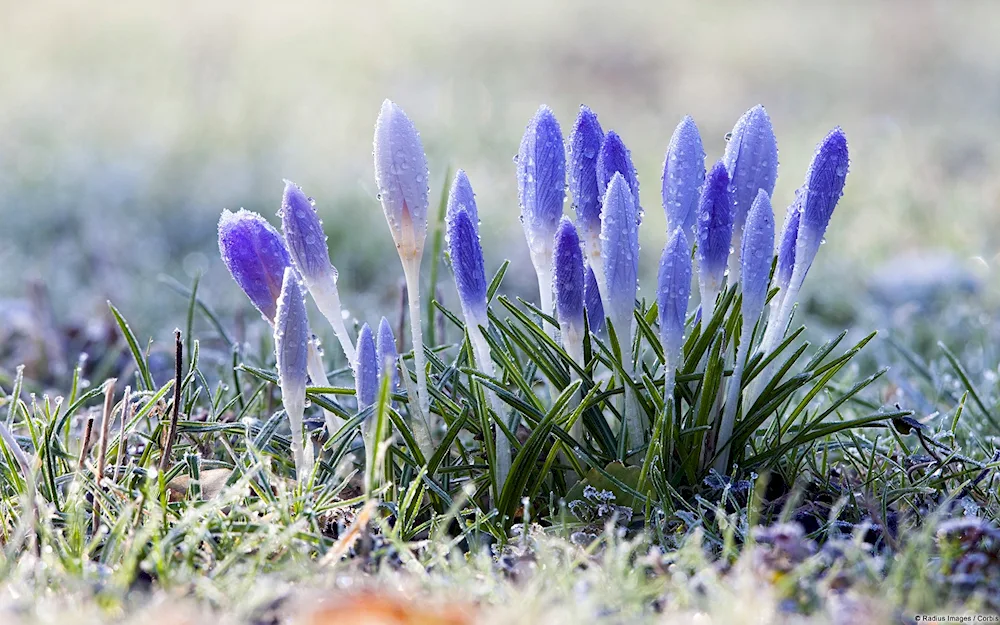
301	454
317	372
327	298
573	344
411	270
777	321
481	351
721	464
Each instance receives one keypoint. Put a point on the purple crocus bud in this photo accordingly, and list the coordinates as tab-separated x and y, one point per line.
594	305
756	256
541	183
614	158
402	178
620	253
304	235
683	176
823	188
715	234
467	262
583	149
461	195
366	369
291	345
569	290
307	248
786	246
673	290
751	160
385	345
256	257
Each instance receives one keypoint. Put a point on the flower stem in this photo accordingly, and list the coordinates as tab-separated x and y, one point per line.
503	449
317	372
411	270
327	299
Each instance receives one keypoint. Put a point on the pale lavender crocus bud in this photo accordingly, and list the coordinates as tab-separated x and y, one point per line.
462	195
620	252
569	289
751	160
388	356
683	176
541	183
673	291
823	188
583	149
594	305
401	175
786	246
311	257
715	234
466	254
817	199
291	344
255	256
366	369
614	158
756	257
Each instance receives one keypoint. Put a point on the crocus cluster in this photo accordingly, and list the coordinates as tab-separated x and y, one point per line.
728	208
587	268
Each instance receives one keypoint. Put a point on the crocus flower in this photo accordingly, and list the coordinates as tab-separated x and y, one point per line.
467	261
366	388
815	200
307	246
466	254
620	252
683	176
583	149
751	160
755	266
594	305
541	183
291	344
614	158
823	189
715	234
756	257
461	195
569	289
385	345
786	246
673	290
255	256
401	175
402	178
366	369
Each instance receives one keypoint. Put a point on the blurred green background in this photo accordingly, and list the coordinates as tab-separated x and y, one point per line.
125	128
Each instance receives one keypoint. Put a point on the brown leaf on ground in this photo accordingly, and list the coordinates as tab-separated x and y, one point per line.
370	608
